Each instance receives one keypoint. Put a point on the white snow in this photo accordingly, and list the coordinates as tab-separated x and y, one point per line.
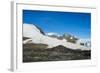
52	33
87	42
27	41
29	30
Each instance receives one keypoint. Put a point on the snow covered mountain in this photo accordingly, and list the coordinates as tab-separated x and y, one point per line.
31	31
85	42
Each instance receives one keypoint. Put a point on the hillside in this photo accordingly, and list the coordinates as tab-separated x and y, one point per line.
40	52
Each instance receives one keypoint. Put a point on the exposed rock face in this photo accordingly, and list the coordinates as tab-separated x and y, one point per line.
25	38
41	31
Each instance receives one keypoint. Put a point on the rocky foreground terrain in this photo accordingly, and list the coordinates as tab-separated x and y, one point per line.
40	52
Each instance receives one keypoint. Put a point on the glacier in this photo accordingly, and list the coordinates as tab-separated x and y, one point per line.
31	31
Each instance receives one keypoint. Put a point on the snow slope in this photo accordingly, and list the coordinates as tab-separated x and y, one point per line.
51	33
30	30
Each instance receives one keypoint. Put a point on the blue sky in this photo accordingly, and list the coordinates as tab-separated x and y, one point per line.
78	24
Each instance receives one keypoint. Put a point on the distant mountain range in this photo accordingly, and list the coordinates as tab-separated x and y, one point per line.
65	36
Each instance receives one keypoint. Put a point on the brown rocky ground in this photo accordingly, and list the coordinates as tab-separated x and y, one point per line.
40	52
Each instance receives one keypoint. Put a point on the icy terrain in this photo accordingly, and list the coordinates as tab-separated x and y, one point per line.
31	31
